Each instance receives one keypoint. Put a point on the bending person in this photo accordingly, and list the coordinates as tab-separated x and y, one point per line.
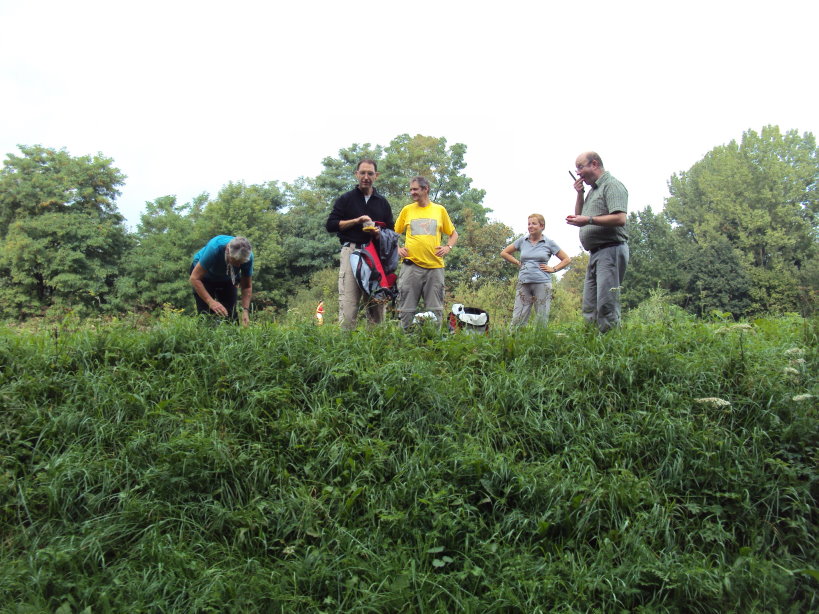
534	287
218	268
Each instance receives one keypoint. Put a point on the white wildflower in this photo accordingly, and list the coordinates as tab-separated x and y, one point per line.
733	327
715	401
802	397
790	371
798	361
795	352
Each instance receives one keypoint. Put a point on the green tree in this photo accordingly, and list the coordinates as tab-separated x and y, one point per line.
63	260
155	270
44	180
308	245
476	260
337	175
61	236
722	286
761	196
406	157
251	211
659	258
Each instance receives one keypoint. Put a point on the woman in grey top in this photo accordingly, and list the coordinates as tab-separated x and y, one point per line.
534	286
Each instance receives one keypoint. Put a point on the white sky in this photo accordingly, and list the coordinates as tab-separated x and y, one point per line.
187	96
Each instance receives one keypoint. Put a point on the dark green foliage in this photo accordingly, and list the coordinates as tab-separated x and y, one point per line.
724	285
44	180
154	270
760	196
186	467
659	257
305	240
61	237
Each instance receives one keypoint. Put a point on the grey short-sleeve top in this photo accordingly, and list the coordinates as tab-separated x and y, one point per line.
531	256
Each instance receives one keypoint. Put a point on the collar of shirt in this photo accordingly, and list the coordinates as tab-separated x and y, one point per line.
601	180
373	193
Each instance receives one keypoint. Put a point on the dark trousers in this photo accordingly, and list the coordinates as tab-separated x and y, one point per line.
222	291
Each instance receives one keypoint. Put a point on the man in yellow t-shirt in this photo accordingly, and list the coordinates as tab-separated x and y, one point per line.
423	272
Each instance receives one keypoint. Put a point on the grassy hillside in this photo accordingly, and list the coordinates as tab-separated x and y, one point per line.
178	467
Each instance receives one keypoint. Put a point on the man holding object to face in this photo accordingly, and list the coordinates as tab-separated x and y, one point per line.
601	217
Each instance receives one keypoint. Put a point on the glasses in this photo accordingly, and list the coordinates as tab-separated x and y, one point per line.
366	173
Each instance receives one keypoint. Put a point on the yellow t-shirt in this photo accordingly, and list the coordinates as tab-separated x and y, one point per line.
424	227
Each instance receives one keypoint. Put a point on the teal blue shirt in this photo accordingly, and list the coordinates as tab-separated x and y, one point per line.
212	259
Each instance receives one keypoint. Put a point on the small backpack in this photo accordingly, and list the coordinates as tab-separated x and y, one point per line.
370	275
468	319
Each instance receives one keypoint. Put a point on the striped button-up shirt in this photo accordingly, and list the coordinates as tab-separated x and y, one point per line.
606	196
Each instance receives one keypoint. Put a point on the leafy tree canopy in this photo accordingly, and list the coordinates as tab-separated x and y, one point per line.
61	235
43	180
154	271
404	158
69	259
761	196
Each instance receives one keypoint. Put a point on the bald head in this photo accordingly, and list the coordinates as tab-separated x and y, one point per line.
589	166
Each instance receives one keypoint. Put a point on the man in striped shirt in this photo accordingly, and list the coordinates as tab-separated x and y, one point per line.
601	217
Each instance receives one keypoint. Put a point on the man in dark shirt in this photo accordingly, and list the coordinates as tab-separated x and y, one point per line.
601	217
352	212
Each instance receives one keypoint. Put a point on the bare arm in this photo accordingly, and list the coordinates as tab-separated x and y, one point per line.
618	218
578	219
197	275
581	196
246	285
564	262
442	250
508	254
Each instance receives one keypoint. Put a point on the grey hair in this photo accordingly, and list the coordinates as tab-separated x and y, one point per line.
593	156
239	249
421	181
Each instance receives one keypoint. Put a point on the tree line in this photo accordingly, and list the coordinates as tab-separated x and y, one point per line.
738	233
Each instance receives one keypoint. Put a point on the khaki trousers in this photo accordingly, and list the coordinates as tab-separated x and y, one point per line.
351	298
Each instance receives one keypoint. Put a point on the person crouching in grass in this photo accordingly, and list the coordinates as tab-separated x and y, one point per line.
224	264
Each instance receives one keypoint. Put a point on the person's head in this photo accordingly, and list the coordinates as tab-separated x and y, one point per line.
589	167
238	251
366	172
536	223
419	190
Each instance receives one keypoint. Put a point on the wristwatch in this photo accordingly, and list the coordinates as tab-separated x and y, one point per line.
591	220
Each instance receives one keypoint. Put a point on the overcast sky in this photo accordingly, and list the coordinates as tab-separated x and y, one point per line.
187	96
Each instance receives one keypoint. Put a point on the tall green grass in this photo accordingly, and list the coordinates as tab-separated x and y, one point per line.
669	466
